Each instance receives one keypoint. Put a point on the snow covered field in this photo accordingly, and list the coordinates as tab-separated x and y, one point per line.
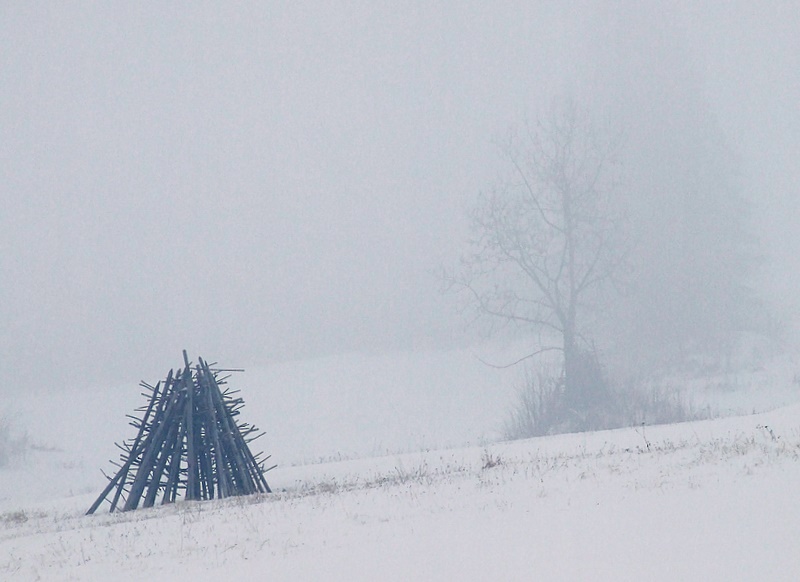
708	500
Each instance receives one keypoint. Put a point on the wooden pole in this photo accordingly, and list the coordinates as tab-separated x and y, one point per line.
151	448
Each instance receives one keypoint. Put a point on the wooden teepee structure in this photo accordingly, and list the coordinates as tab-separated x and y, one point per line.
189	442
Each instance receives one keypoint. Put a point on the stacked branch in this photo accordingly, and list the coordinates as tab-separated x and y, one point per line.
188	443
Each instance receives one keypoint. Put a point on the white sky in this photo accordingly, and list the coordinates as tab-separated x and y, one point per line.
283	181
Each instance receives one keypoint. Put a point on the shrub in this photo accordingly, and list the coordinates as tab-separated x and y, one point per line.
542	408
538	410
11	445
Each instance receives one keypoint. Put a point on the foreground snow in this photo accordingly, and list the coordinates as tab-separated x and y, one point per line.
711	500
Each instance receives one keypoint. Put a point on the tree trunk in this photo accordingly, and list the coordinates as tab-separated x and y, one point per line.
573	396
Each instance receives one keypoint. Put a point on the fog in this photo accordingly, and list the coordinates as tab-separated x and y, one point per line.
274	182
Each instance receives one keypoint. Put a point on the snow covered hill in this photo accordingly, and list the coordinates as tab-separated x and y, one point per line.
708	500
711	500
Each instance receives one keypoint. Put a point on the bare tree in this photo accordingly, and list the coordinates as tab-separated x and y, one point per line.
546	239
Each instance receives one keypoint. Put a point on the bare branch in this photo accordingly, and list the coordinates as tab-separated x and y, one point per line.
522	359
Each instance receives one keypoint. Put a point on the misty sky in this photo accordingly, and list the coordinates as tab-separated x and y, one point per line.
283	180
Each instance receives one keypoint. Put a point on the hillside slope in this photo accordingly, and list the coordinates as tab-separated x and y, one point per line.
710	500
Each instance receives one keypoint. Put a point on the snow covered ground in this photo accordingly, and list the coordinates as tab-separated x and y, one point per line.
707	500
